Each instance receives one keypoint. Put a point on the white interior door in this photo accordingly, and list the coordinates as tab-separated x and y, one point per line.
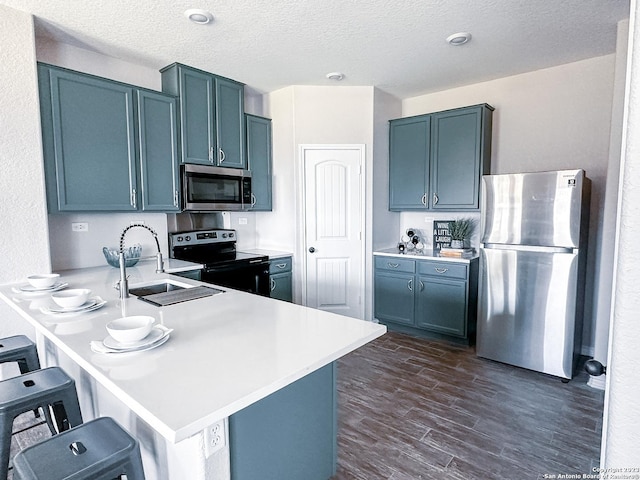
333	217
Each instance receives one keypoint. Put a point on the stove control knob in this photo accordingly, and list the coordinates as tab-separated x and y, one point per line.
179	239
230	234
224	235
187	238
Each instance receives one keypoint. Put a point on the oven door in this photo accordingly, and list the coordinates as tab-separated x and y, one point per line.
248	277
206	188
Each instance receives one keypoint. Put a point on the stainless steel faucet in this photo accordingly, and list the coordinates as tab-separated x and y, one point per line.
123	284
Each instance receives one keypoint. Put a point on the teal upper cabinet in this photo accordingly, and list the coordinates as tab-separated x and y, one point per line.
107	146
159	160
259	160
89	147
230	123
461	153
211	114
436	160
409	141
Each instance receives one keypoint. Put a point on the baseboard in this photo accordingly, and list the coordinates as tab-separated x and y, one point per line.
599	383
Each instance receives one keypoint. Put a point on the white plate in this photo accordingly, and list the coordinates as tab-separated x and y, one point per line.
27	288
158	333
90	305
98	347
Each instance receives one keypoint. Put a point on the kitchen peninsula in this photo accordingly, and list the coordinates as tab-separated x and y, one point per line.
263	367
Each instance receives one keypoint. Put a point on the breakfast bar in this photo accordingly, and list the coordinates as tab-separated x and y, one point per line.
241	379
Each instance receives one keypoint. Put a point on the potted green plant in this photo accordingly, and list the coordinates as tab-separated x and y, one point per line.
460	230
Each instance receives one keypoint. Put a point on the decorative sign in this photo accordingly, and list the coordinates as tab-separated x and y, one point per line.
441	234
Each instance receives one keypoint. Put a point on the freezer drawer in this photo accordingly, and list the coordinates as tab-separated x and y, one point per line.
527	309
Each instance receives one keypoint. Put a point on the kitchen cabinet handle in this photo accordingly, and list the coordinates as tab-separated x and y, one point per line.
424	199
441	270
211	154
175	198
393	265
410	285
281	265
273	284
421	286
253	200
222	155
435	199
133	198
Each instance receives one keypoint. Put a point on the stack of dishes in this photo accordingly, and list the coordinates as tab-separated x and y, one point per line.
41	283
132	334
75	300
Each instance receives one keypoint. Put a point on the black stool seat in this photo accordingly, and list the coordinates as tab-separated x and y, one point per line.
21	349
96	450
48	387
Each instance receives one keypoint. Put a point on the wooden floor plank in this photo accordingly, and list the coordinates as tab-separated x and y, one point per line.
476	419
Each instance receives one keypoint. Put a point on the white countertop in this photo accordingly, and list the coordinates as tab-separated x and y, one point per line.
226	352
422	255
270	253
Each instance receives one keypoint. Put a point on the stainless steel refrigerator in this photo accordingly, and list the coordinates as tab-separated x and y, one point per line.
532	267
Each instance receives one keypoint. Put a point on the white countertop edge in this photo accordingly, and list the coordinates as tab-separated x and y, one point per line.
269	253
222	413
427	255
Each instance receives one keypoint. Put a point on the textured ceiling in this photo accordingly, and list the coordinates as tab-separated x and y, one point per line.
398	46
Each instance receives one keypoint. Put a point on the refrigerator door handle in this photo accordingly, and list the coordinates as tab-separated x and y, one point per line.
528	248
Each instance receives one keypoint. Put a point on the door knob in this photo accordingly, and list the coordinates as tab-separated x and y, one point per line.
311	249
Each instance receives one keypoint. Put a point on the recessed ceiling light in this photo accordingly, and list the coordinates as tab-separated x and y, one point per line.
337	76
201	17
458	38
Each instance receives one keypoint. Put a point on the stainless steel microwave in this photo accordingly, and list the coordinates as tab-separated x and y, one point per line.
211	189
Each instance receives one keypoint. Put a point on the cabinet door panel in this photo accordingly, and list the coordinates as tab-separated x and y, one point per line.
409	140
393	298
442	305
159	167
94	130
456	149
281	287
259	161
197	107
230	123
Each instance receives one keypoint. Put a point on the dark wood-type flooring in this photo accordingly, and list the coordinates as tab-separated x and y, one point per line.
411	408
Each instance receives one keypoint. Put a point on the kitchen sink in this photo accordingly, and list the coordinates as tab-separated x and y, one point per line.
142	290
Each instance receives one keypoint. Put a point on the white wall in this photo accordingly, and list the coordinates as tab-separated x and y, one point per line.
24	234
605	239
310	115
551	119
621	448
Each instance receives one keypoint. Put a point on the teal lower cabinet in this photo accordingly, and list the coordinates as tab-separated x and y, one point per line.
432	298
281	279
291	434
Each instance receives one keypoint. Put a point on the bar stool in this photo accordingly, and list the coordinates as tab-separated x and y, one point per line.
22	350
44	388
97	450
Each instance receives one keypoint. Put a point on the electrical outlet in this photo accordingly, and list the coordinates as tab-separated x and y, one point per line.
79	227
242	221
214	438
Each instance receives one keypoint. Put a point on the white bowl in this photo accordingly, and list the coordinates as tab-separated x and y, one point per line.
44	280
130	329
71	298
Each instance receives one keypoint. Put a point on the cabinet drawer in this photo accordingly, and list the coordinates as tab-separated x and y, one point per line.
443	269
395	264
280	265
